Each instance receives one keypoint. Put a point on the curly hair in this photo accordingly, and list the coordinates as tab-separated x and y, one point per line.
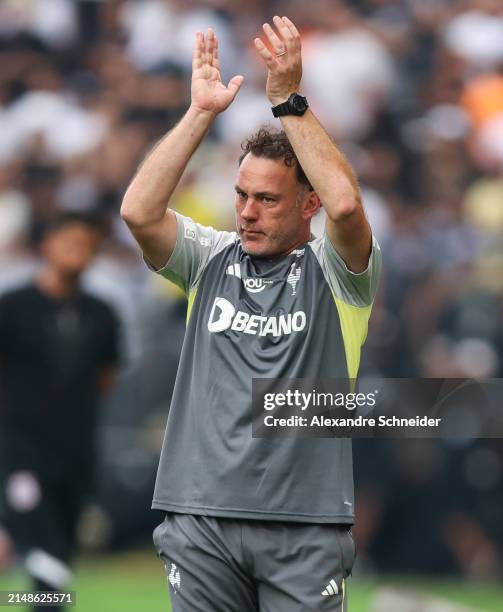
274	144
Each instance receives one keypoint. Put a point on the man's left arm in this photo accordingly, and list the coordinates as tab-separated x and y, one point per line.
327	169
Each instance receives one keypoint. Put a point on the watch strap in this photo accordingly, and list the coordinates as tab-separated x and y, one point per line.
281	109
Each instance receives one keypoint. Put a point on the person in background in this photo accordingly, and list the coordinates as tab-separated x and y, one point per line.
58	358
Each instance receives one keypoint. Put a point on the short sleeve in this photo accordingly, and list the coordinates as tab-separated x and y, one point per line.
357	289
195	246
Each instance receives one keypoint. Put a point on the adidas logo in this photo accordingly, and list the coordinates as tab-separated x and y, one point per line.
331	589
234	270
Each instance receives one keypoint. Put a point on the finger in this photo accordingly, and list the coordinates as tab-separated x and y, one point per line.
264	52
215	59
276	43
235	84
284	30
291	27
208	48
198	51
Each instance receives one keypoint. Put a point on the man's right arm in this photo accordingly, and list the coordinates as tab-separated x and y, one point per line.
145	204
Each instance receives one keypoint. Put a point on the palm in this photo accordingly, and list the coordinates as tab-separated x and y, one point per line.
208	92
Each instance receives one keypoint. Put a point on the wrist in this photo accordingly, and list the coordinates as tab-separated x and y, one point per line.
296	104
196	113
278	99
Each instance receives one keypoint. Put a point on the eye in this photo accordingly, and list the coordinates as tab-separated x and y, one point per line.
268	200
241	194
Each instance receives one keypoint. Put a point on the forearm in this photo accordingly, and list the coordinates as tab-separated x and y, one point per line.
335	183
325	166
147	197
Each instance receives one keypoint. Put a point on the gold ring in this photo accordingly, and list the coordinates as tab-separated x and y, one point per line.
282	53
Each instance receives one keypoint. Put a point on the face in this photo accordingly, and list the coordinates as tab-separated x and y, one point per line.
273	211
71	249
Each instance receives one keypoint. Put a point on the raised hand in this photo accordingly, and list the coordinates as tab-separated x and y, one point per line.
284	63
208	93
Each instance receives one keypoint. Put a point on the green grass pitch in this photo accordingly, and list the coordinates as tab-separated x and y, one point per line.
136	581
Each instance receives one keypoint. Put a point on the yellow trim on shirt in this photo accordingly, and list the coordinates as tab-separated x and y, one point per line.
354	326
192	297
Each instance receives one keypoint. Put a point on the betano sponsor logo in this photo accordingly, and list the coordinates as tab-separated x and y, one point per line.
224	316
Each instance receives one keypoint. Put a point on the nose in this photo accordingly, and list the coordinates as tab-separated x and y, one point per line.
250	210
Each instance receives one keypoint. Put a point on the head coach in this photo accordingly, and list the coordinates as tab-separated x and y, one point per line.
255	524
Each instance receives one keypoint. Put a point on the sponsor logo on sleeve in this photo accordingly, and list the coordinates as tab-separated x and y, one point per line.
190	231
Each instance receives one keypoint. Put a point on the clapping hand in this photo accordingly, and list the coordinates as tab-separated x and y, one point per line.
208	93
283	61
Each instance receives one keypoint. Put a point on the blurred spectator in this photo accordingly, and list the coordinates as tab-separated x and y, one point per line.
58	356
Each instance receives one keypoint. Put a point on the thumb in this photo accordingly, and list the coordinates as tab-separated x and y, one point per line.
235	84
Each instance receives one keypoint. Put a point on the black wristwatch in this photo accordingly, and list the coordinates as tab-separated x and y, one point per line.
295	105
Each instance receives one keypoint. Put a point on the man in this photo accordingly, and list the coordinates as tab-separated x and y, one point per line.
255	524
58	356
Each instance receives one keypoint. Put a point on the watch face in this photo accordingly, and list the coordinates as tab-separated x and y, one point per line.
298	103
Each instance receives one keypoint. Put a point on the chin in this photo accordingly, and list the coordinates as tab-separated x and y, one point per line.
252	248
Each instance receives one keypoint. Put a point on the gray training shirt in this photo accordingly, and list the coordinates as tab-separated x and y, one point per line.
303	315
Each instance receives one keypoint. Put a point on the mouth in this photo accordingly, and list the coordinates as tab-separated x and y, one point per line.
250	232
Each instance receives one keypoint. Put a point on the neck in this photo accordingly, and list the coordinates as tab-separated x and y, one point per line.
55	284
292	247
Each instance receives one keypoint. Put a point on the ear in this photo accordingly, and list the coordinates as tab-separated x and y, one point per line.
311	205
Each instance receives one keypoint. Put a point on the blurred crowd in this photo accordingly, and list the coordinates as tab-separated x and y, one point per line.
411	90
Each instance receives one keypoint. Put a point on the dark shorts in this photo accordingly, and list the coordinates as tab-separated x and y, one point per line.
220	564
